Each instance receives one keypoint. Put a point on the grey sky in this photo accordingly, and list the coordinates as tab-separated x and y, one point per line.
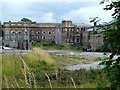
79	11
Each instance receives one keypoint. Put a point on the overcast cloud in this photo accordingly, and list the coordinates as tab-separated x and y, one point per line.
84	14
79	11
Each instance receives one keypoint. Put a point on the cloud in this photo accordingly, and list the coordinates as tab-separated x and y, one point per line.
15	12
47	17
41	17
54	12
83	14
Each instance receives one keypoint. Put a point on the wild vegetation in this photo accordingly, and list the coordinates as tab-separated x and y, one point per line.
38	69
50	45
19	68
112	32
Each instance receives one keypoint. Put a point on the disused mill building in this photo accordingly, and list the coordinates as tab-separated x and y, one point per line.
23	34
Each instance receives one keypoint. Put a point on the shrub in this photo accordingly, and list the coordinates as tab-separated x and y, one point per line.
102	49
48	43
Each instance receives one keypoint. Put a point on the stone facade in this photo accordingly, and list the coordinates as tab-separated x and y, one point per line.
62	33
21	34
71	34
85	39
16	35
96	41
1	35
92	40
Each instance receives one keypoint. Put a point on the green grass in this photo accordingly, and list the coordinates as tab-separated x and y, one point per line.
42	69
11	65
66	60
75	57
37	61
56	47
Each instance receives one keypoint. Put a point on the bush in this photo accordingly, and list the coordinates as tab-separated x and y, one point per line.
45	43
102	49
48	43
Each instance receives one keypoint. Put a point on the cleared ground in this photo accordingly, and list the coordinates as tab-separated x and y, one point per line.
78	60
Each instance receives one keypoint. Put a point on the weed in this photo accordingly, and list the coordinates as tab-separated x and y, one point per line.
38	69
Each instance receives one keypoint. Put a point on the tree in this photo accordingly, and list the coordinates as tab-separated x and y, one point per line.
112	36
94	20
26	20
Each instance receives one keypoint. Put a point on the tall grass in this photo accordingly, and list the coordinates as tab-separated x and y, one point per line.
73	82
38	55
35	70
48	80
11	65
17	69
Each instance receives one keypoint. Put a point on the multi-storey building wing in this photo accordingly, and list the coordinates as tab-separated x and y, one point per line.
23	34
47	31
16	34
71	34
68	29
92	39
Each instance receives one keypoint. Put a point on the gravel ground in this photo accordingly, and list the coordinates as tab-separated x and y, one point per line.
91	61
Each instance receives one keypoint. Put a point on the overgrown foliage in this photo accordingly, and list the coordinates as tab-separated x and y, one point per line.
51	45
112	35
22	69
38	69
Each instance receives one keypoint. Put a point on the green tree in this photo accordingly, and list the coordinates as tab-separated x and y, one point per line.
26	20
112	36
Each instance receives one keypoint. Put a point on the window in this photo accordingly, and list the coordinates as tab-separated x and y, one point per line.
38	37
77	29
12	32
82	29
25	32
49	32
68	29
19	32
43	31
77	40
43	37
38	32
67	34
